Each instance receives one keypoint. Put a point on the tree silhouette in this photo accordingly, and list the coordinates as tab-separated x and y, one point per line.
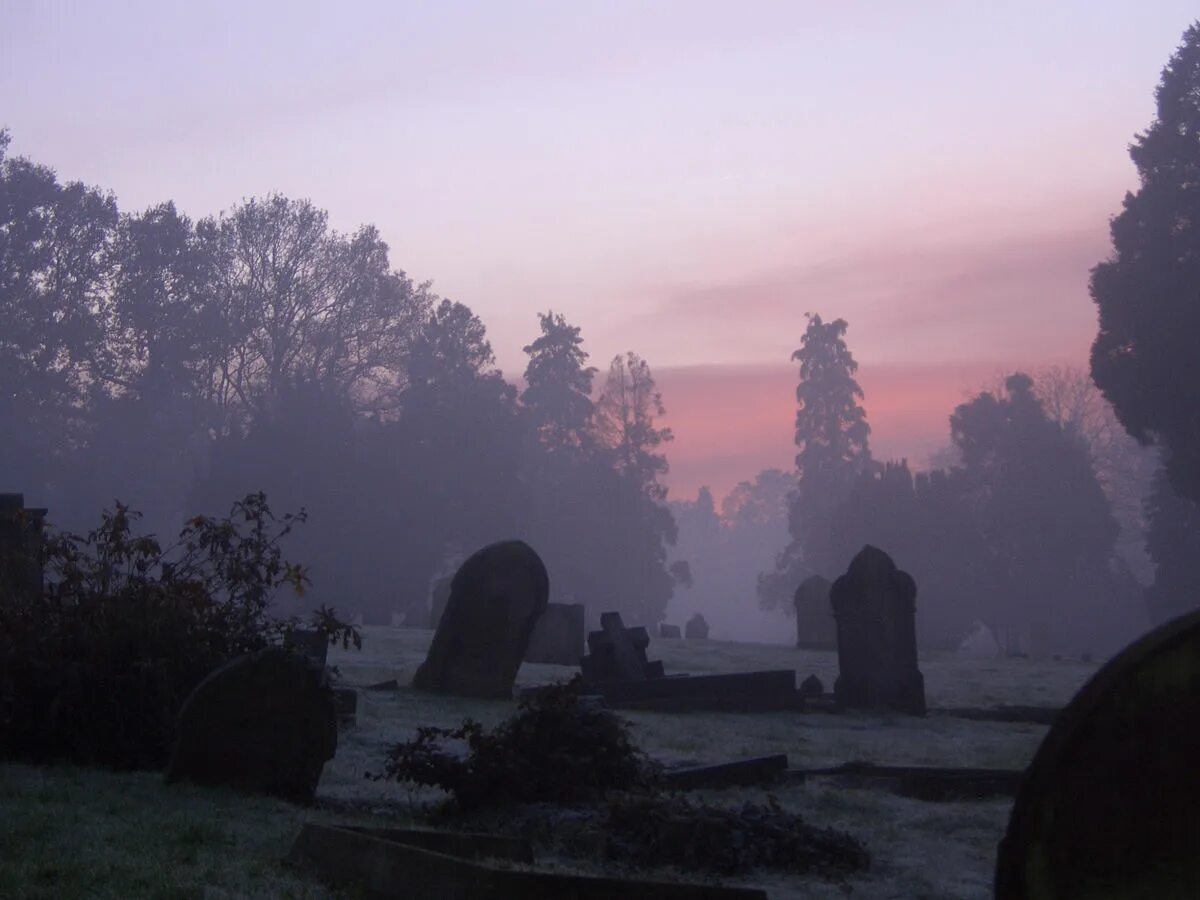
1173	541
1144	358
832	440
558	386
624	423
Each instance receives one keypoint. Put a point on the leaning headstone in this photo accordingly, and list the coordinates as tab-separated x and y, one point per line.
261	723
669	632
874	605
815	628
438	598
696	628
617	653
558	635
495	600
1108	806
20	547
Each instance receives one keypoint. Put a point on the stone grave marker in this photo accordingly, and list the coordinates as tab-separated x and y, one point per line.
261	723
20	546
669	632
617	653
815	628
438	598
495	600
696	628
1108	807
874	606
558	636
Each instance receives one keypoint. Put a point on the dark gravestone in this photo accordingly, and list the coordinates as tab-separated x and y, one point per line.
815	628
617	653
558	635
438	599
811	687
312	645
495	600
20	547
1108	807
670	632
874	606
261	723
696	628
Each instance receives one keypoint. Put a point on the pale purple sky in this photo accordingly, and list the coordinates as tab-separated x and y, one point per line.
685	180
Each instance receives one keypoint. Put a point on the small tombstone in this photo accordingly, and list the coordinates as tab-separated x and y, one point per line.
874	605
558	635
696	628
20	546
979	643
495	600
617	653
671	632
1108	806
311	644
811	687
815	628
438	599
261	723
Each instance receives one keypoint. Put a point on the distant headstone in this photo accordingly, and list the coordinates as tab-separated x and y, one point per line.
696	628
558	635
438	599
1108	806
617	653
20	547
495	600
811	687
261	723
874	606
313	645
979	643
670	632
815	628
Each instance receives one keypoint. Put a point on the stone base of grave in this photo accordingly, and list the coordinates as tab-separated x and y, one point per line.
383	867
734	692
930	783
742	772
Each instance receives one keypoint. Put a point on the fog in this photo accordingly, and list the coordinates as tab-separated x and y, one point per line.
174	360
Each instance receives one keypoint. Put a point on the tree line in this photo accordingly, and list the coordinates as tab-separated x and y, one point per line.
177	365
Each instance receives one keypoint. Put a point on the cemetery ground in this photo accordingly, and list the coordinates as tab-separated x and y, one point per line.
70	832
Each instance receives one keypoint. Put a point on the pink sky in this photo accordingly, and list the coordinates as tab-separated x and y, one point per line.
682	179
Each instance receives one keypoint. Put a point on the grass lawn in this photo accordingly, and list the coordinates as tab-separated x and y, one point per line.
73	833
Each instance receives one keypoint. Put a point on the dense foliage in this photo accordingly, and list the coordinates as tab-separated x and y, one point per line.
554	749
1148	293
95	668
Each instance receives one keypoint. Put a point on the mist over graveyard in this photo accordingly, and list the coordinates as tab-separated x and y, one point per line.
287	512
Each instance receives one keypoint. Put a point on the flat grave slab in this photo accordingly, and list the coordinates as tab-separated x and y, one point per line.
773	689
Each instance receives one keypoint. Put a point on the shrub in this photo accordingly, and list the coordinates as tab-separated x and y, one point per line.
554	748
95	668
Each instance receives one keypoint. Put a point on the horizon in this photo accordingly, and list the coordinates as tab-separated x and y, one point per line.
675	180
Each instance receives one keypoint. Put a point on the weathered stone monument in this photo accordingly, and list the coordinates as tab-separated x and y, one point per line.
669	632
696	628
815	628
495	600
874	606
261	723
558	635
438	598
617	653
20	547
1108	807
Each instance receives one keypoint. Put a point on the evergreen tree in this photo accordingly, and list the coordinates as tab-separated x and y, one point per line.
1173	541
1144	358
558	386
833	450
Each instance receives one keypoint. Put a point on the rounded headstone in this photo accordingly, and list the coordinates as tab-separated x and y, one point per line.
496	598
696	628
1110	805
262	723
